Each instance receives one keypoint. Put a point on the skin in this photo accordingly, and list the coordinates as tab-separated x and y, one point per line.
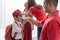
35	22
26	9
19	18
49	7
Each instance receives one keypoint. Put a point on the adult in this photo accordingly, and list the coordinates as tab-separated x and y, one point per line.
37	11
51	28
28	26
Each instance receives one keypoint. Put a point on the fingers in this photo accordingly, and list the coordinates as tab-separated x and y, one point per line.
27	19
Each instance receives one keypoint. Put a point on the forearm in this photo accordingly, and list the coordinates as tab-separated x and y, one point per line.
28	13
35	22
22	28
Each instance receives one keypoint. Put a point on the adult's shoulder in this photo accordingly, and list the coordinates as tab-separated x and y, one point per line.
53	21
32	9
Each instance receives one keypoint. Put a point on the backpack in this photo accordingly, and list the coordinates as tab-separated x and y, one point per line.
27	32
8	32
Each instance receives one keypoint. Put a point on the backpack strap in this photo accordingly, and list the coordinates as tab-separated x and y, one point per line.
17	23
15	32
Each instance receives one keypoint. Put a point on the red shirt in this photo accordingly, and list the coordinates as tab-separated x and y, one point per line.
38	13
51	29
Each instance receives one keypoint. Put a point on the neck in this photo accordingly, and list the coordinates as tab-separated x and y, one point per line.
18	20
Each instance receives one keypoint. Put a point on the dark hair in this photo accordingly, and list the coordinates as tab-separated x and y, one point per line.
31	3
38	6
16	16
55	2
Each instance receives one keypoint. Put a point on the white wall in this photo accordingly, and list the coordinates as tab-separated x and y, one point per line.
12	5
58	5
0	10
0	14
2	22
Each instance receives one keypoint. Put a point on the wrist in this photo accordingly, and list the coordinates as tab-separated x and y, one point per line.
30	19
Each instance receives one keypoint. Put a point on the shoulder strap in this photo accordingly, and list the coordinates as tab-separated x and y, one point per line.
15	32
17	23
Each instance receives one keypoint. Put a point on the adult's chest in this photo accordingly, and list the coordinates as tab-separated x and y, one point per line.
44	28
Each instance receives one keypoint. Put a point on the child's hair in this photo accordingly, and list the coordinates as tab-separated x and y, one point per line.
16	16
55	2
31	3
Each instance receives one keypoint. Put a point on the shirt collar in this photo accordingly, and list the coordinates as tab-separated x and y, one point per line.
56	13
17	22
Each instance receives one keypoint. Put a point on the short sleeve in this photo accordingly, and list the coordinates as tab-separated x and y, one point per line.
16	28
32	9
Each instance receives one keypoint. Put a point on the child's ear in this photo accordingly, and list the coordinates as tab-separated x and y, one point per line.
16	16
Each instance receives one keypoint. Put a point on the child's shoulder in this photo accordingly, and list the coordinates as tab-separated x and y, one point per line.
14	24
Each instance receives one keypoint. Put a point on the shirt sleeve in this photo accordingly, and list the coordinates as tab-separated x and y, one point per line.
16	28
52	30
32	9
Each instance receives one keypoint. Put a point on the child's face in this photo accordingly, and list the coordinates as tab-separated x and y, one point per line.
19	18
47	7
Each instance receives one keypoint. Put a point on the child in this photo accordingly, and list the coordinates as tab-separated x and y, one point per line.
17	25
